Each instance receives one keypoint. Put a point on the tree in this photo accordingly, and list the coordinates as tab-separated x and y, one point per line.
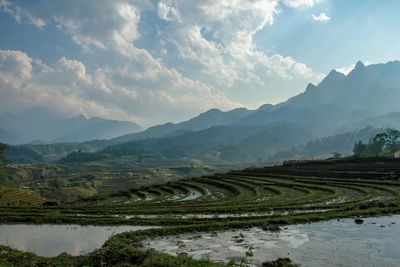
392	140
377	143
385	142
360	148
3	148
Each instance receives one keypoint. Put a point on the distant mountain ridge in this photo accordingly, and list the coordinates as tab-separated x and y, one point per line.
340	103
208	119
38	125
221	144
332	107
338	100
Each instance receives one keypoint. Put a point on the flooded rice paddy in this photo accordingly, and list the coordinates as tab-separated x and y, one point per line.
52	240
376	242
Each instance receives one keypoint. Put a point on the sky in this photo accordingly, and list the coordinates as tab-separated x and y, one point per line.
155	61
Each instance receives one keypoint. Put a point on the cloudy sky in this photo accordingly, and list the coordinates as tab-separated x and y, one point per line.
168	60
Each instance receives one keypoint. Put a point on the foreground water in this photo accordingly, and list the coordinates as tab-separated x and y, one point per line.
51	240
376	242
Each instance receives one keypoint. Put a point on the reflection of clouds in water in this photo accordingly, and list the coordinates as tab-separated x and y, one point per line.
294	236
51	240
329	243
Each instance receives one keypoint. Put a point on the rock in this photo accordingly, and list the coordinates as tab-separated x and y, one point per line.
280	262
359	221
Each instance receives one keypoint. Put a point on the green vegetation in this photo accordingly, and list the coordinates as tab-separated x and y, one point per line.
382	144
71	181
3	148
327	146
295	192
11	196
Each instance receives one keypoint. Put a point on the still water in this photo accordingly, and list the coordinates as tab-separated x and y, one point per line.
51	240
376	242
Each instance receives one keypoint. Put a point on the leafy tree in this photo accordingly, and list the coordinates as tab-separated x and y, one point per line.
392	140
360	148
377	143
3	148
386	142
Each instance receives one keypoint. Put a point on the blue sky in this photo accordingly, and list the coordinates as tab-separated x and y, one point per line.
168	60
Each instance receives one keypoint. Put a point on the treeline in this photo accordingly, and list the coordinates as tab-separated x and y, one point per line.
327	146
383	144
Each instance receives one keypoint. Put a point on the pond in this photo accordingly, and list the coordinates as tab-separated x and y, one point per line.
376	242
51	240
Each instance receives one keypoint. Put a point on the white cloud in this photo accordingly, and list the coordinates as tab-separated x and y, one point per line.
323	17
219	36
16	69
124	93
167	12
346	69
299	3
98	24
140	82
21	14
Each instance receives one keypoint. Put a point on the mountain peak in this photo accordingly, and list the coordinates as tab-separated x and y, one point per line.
210	112
333	76
81	117
310	87
357	69
266	107
359	65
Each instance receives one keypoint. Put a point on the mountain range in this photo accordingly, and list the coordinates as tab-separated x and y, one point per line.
340	105
335	103
38	125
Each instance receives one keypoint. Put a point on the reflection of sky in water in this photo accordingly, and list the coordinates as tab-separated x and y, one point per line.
329	243
383	241
51	240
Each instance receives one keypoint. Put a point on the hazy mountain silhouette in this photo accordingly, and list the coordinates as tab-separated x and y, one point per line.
38	125
375	88
222	144
368	95
338	100
208	119
335	105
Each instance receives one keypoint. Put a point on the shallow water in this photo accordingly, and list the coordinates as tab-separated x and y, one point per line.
376	242
51	240
217	215
194	194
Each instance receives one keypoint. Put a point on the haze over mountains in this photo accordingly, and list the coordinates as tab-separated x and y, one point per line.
38	125
367	96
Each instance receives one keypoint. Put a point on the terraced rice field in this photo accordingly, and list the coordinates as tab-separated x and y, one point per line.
268	198
317	187
17	197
